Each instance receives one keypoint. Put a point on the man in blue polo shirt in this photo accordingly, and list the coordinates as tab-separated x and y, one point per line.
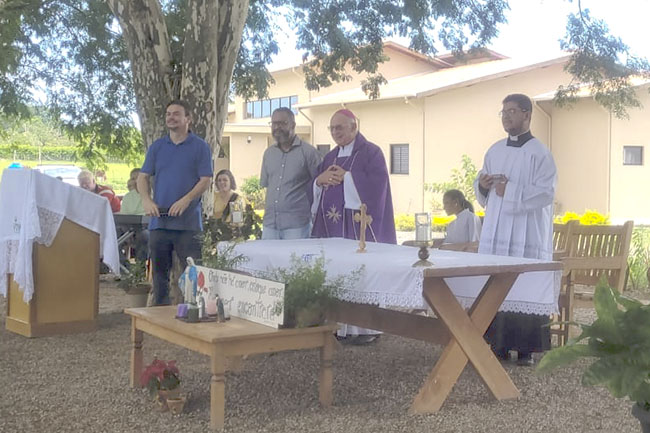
181	164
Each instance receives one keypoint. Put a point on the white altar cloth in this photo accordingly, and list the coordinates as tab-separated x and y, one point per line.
32	207
389	280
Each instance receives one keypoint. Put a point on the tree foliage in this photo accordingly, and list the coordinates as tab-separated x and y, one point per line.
462	179
71	53
602	63
86	58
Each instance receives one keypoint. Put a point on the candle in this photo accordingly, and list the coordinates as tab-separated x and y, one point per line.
422	227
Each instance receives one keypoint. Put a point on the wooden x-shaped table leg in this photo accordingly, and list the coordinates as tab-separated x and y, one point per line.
467	341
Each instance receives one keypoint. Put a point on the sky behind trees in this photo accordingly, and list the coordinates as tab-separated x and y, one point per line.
535	27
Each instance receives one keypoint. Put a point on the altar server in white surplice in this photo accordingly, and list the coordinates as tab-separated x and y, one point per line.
516	186
467	225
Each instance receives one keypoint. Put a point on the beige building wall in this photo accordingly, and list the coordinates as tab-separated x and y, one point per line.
245	157
289	82
629	183
385	123
465	120
587	145
580	146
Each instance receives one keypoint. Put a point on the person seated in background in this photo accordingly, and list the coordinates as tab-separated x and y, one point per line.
467	225
233	217
225	195
100	176
87	181
132	202
132	205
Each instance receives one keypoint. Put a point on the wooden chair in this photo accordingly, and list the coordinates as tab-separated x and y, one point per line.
561	236
608	246
592	252
560	327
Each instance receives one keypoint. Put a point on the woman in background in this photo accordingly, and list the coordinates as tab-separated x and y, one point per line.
225	195
467	225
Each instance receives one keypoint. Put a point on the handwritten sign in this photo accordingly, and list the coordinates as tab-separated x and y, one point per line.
255	299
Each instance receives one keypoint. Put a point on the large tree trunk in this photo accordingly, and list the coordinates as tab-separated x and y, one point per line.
212	38
147	41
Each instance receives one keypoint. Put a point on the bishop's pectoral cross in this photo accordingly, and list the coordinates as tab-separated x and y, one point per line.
364	219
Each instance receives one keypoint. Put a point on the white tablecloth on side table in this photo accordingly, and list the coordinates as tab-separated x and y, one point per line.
32	207
389	280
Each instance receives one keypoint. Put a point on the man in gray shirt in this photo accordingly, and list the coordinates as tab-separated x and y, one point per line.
288	168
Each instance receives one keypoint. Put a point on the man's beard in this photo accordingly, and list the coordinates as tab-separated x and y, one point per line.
282	137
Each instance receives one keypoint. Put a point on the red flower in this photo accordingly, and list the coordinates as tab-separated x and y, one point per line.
160	375
201	280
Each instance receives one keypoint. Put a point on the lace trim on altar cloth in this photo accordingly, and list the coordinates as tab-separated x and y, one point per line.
47	224
50	222
516	307
8	252
414	300
410	300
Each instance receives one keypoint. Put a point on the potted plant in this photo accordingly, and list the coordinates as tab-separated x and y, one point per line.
308	293
162	380
618	342
135	284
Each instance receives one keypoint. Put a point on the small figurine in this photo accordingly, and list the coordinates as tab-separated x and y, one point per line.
221	316
201	306
189	289
211	306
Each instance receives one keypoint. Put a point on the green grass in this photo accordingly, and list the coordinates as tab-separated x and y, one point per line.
117	174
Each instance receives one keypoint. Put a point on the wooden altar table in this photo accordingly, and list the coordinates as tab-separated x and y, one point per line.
460	331
464	290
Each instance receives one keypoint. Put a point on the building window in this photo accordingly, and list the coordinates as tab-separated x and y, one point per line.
265	107
399	159
323	149
632	155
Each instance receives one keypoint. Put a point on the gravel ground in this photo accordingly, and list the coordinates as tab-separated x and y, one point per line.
79	383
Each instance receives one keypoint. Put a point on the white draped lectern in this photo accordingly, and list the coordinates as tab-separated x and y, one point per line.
51	238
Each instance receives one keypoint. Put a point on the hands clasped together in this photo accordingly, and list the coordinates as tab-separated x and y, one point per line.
177	209
498	181
331	177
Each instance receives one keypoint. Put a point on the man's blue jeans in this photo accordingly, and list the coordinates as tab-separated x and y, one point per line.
269	233
162	243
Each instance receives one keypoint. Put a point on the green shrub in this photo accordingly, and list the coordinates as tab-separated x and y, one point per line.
25	151
616	344
308	291
253	192
406	222
639	259
462	179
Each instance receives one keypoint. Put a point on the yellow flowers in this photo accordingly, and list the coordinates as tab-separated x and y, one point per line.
590	217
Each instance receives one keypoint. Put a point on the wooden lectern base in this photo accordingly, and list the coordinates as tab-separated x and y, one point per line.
66	286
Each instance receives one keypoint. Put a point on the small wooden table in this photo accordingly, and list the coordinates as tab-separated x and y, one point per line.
236	337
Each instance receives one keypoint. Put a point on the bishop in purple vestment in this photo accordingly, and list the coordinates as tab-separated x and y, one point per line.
351	174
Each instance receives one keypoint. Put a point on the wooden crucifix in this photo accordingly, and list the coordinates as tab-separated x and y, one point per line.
363	219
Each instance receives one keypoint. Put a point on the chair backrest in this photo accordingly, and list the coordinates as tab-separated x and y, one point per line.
611	243
467	247
561	235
